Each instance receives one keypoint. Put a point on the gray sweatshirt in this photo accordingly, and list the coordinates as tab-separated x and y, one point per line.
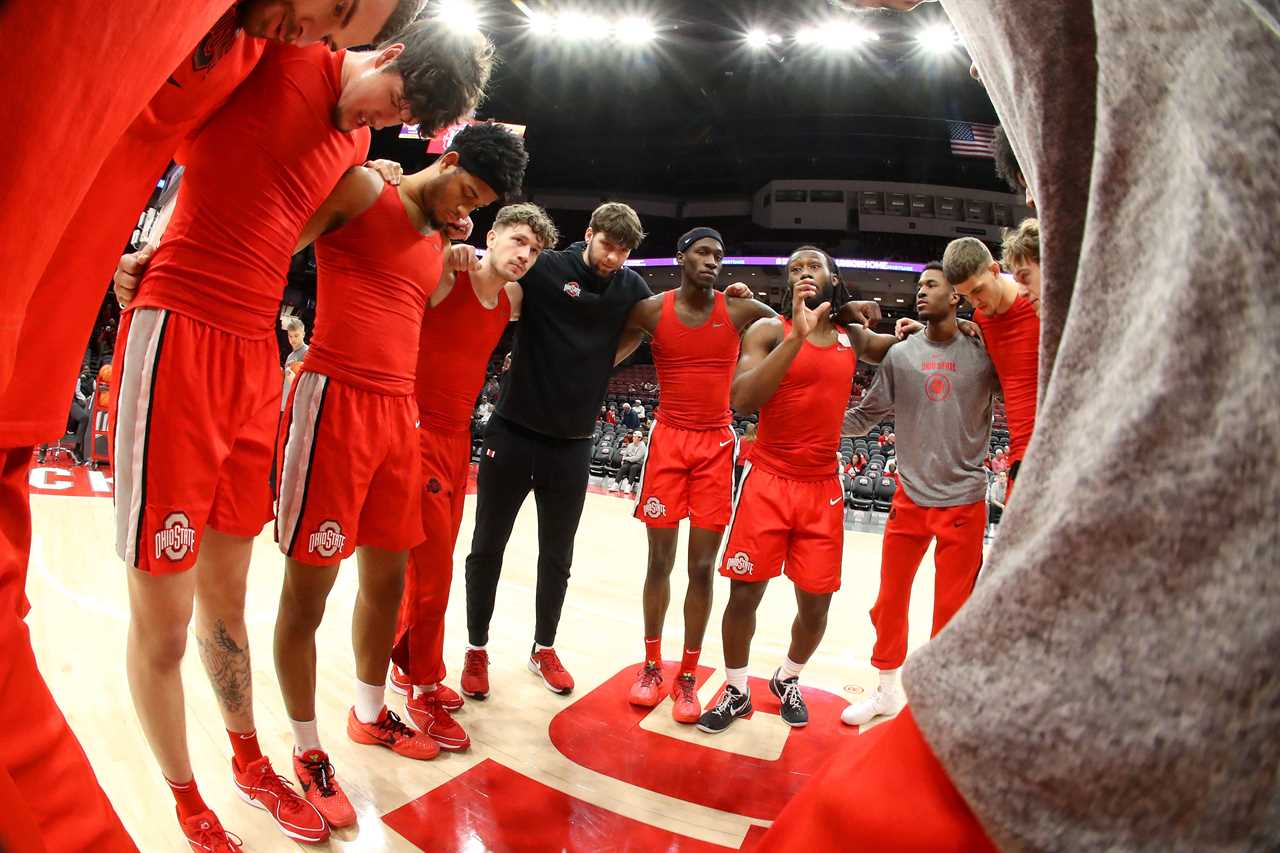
941	394
1114	681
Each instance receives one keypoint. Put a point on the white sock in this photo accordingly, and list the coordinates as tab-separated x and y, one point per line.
370	700
737	678
538	647
472	648
420	689
305	735
789	669
891	680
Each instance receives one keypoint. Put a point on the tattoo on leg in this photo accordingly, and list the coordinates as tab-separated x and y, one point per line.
228	667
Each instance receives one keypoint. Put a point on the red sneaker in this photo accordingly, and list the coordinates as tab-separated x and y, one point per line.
432	718
684	693
206	835
547	665
647	691
390	731
321	788
475	674
259	785
449	698
399	681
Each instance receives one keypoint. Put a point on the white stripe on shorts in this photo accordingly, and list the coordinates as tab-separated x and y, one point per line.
292	489
733	513
133	420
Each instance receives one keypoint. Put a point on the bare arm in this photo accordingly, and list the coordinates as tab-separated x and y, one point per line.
515	294
632	337
356	191
642	321
745	311
870	346
875	404
763	362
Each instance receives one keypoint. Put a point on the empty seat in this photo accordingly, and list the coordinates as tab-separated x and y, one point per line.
886	487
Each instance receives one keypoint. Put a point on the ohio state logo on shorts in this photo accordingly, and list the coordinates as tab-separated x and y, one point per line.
327	540
739	564
175	539
572	289
654	508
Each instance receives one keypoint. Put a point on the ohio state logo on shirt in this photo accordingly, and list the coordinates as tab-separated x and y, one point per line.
937	387
327	540
739	564
175	538
572	289
654	508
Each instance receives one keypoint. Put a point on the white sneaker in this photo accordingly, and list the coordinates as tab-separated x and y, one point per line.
626	487
882	703
609	485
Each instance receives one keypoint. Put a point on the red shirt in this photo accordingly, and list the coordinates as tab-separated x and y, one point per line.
458	336
255	175
695	366
374	276
1013	342
798	436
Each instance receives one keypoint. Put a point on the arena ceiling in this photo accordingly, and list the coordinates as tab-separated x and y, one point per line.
697	112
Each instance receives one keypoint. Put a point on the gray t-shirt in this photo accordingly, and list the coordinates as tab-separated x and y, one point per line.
941	396
1113	683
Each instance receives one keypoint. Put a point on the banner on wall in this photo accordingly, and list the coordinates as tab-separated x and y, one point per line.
444	138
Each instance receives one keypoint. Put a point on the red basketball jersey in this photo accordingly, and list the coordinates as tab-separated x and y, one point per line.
799	429
1013	342
373	278
255	174
458	335
695	366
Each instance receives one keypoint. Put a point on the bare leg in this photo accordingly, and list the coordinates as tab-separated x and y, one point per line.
221	572
302	600
657	580
159	613
739	624
703	546
809	625
373	625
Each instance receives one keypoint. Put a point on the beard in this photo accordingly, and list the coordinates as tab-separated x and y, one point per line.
825	294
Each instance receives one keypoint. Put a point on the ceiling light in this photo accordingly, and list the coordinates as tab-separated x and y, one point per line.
542	25
938	38
578	26
808	35
877	299
759	38
848	34
636	31
458	15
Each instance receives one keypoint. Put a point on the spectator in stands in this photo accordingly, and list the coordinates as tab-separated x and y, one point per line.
293	362
483	411
745	444
630	419
491	388
638	408
506	363
632	461
611	416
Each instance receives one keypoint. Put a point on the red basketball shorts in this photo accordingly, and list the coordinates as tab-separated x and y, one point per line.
781	525
348	471
687	474
193	420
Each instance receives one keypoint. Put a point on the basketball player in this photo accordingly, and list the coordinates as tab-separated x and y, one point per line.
941	384
463	323
1010	328
349	468
688	472
193	445
1007	165
61	242
1020	255
573	314
788	514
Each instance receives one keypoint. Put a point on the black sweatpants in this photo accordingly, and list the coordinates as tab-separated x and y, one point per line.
513	461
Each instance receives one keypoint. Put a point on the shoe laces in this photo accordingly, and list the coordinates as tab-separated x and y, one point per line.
396	726
726	701
282	789
210	834
476	662
791	693
685	686
650	675
321	771
549	661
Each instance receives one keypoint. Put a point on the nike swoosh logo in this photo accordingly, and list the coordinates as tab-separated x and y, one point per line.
834	501
725	443
716	325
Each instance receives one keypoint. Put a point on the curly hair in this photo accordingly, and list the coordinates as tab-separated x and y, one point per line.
1007	167
493	154
445	72
403	15
620	222
534	217
1021	243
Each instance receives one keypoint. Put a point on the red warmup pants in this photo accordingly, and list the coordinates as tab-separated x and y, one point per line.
883	791
49	797
956	559
446	461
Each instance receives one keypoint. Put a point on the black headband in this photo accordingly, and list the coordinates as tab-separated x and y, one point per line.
691	237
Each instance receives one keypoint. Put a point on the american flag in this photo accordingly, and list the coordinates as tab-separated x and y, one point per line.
971	140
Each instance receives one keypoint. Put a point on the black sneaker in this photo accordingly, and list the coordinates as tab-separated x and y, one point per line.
794	712
732	704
